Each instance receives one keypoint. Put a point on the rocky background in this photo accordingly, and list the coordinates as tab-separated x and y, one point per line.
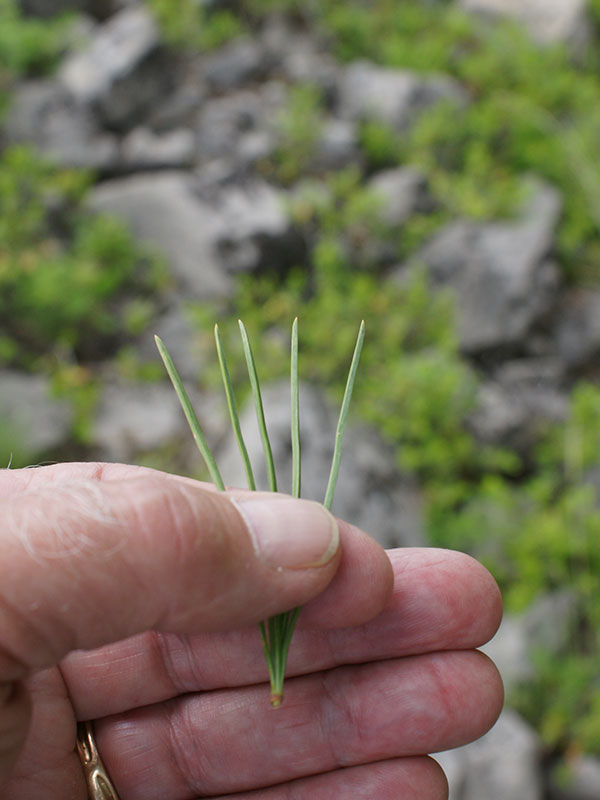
177	141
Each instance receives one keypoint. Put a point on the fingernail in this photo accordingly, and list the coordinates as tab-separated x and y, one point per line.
290	534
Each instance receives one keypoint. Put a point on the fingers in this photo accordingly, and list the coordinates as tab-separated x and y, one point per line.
145	551
341	718
408	778
14	721
48	766
91	562
442	600
20	480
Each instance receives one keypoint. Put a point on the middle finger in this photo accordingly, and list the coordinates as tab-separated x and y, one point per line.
442	601
230	741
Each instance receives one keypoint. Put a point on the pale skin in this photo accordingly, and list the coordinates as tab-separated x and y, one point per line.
130	597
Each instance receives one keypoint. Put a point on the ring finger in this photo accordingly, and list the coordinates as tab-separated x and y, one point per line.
226	741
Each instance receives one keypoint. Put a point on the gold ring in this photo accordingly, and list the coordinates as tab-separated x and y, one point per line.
99	785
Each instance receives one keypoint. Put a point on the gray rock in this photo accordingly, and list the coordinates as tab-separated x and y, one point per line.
225	121
132	419
548	21
256	230
510	652
517	405
579	780
371	493
206	233
179	109
337	146
44	114
122	72
299	57
577	327
502	765
32	422
395	97
547	625
403	191
236	63
163	212
253	147
499	272
211	178
454	764
118	48
142	149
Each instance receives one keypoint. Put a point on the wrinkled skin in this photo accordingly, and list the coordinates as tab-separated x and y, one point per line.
131	598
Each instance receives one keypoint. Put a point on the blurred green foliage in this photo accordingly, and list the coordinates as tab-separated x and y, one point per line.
563	702
299	127
189	24
413	384
61	270
540	535
530	108
27	45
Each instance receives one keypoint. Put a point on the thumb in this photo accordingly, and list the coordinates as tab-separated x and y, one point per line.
88	563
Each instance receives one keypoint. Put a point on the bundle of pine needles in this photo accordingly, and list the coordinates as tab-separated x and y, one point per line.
276	633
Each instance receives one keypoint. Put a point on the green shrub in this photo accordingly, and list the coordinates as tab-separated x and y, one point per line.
594	11
299	127
462	162
563	701
381	144
27	45
413	385
188	24
539	536
77	384
342	221
29	187
60	270
412	34
574	448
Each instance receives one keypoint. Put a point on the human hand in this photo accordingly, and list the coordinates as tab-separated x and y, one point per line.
130	597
